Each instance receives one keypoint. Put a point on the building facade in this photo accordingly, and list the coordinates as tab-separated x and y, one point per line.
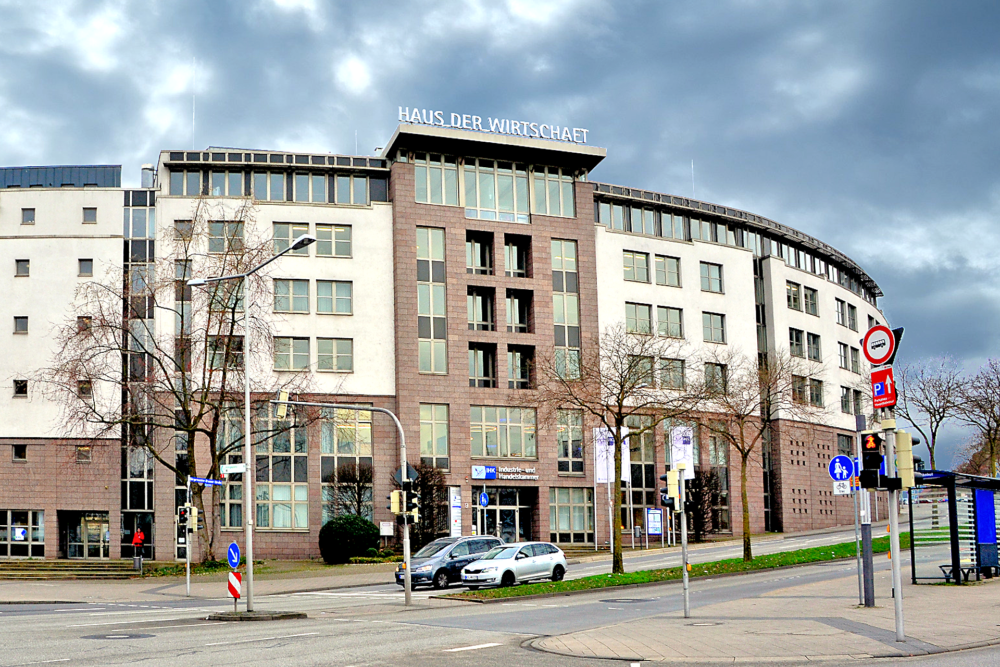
443	269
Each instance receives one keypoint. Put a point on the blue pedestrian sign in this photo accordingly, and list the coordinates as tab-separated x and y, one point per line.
484	499
841	468
233	555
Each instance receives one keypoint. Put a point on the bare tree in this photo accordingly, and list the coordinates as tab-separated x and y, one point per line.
615	379
979	408
352	490
929	394
975	458
745	394
177	388
433	497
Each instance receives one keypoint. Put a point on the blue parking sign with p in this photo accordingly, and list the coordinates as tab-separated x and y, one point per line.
841	468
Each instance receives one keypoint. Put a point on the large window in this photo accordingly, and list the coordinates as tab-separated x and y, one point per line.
479	253
281	491
566	308
520	360
225	237
291	296
813	347
519	311
226	183
225	351
636	266
285	233
716	378
816	393
310	188
435	179
22	533
352	189
668	271
434	435
718	460
793	294
185	183
637	318
500	432
269	186
335	354
482	365
479	306
571	515
291	354
642	468
671	373
230	445
432	323
799	389
713	327
334	297
346	459
553	192
333	241
711	277
670	322
810	298
496	191
795	343
569	441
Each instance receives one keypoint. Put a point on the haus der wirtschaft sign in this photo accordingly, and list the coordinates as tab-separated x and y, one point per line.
511	126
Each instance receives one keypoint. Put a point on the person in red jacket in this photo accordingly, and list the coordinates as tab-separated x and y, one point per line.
137	541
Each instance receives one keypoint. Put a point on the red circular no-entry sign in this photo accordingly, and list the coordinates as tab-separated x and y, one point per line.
879	345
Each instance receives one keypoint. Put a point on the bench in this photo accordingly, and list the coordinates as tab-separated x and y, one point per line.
946	570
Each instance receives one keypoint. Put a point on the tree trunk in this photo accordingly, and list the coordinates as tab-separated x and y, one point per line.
617	563
206	538
747	550
930	449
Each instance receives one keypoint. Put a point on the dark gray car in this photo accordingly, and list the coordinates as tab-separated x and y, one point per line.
440	562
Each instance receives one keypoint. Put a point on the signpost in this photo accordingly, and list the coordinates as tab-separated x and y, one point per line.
654	524
484	499
879	345
883	388
234	587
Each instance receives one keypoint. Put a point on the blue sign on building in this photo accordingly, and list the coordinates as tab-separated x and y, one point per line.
484	472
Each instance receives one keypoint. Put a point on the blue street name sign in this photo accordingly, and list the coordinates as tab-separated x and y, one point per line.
233	555
841	468
484	499
206	481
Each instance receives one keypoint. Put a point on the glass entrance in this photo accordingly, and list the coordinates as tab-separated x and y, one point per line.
90	538
508	515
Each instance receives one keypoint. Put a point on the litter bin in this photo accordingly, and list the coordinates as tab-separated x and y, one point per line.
137	564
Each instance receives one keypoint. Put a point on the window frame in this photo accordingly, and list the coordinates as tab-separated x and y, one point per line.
630	266
708	281
711	327
335	355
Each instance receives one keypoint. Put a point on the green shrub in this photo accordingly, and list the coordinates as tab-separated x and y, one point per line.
372	552
345	537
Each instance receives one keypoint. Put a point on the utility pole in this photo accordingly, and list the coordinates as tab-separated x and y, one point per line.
889	426
867	573
684	539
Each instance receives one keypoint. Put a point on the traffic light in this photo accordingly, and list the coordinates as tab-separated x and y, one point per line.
669	494
194	518
412	507
871	459
183	514
281	410
395	502
904	458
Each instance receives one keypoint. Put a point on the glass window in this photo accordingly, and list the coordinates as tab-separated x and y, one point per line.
799	389
335	354
841	312
670	322
431	303
218	184
502	432
668	271
346	462
711	277
225	348
553	191
334	297
795	343
845	400
714	326
794	294
855	360
86	267
333	241
810	299
520	361
637	318
89	214
482	365
716	378
672	373
569	441
22	267
566	307
21	324
277	187
291	296
318	188
852	317
571	515
816	393
286	232
436	179
814	350
235	183
192	185
225	237
281	492
434	435
642	471
291	354
842	354
177	183
636	266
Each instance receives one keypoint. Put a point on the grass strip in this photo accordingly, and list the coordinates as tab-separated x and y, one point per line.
729	566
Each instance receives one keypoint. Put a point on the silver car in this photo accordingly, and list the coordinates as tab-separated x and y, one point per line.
516	563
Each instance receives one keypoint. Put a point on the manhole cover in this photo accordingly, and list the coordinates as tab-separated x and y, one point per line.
119	635
701	625
630	600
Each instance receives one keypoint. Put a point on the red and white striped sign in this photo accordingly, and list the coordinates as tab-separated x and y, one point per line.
234	584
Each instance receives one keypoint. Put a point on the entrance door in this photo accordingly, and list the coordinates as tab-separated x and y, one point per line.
90	538
508	514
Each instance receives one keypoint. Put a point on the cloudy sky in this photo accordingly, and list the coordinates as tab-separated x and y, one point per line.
872	125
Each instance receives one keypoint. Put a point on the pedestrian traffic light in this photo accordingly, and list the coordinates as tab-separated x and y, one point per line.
871	459
904	458
412	507
669	494
183	514
395	502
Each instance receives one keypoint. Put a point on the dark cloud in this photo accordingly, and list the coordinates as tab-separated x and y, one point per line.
872	125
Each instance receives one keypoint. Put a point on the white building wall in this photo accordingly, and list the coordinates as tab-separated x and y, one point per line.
369	268
53	245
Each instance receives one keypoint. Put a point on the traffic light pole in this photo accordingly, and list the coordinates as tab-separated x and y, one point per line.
187	545
404	476
867	573
684	541
889	426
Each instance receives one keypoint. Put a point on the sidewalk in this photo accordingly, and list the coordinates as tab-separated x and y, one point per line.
802	623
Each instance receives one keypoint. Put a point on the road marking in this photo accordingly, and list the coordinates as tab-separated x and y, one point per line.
261	639
87	625
471	648
44	662
183	625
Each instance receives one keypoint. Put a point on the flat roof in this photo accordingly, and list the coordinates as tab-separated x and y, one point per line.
452	141
101	175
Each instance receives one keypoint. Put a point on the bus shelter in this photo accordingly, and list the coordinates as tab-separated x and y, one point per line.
953	527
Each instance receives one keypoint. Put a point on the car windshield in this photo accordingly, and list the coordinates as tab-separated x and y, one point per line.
434	547
500	552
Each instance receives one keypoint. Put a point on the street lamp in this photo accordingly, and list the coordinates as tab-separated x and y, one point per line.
248	476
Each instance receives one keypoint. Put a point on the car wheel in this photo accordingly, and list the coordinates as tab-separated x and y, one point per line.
558	573
473	588
441	579
507	579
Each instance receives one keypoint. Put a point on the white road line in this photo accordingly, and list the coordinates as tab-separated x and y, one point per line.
262	639
183	625
471	648
88	625
44	662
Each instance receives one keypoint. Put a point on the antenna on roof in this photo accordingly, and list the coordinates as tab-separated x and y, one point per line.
692	179
356	142
194	63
